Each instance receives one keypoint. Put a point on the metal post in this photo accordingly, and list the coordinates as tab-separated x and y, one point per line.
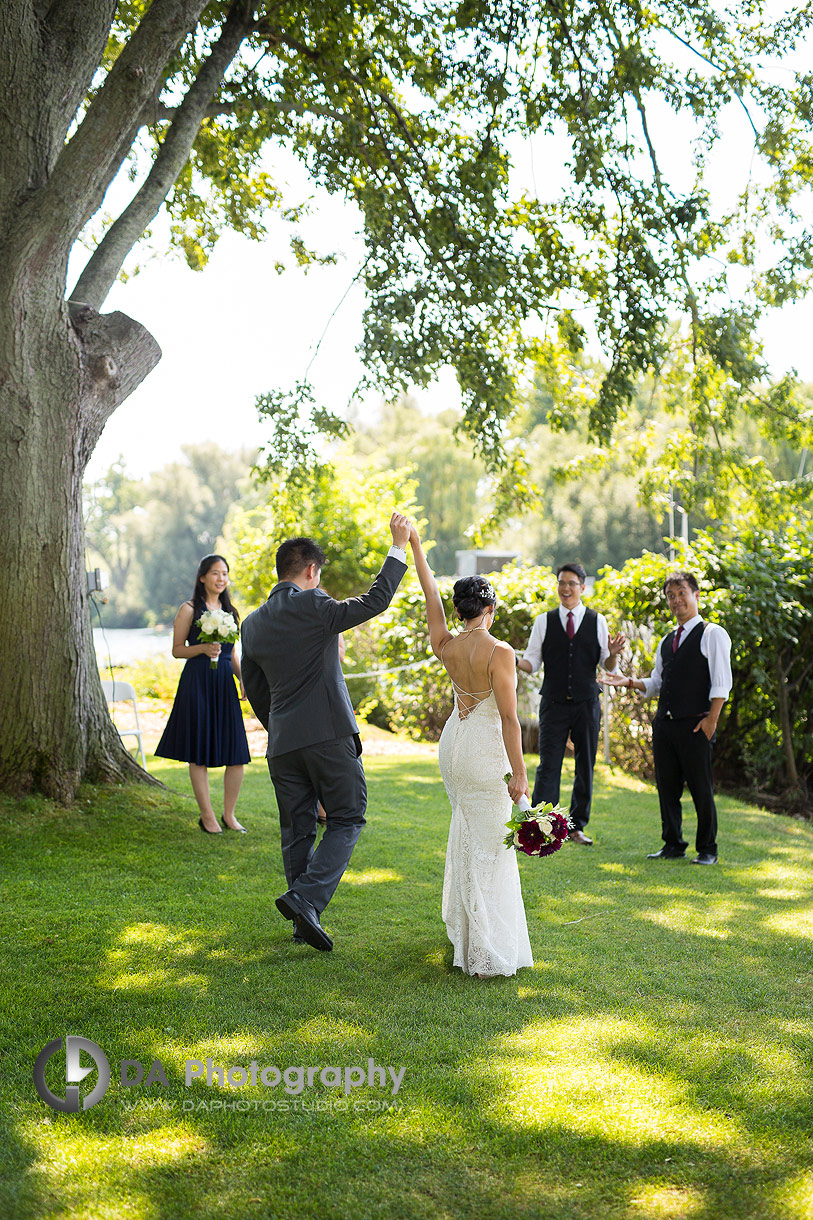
605	695
684	523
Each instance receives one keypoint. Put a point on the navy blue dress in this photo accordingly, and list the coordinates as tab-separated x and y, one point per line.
205	725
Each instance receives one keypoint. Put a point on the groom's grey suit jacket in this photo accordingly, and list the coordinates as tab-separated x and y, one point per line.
291	669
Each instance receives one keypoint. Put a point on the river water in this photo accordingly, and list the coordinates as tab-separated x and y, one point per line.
124	645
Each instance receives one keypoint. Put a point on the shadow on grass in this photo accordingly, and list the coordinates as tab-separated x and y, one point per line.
655	1063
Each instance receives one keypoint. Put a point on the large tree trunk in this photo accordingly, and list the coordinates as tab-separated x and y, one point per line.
64	368
61	377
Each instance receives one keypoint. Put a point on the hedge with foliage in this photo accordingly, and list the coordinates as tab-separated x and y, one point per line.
759	587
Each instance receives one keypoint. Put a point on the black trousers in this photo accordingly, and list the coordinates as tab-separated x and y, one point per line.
557	721
683	758
330	772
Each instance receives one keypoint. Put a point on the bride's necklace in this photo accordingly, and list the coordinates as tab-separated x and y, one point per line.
470	630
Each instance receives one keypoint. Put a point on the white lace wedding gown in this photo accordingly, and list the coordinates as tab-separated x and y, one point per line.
482	900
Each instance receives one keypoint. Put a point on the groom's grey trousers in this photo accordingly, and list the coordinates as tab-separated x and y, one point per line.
330	772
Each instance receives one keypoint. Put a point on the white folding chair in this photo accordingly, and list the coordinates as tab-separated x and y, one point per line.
124	692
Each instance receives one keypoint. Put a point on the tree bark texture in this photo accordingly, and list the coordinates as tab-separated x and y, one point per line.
57	389
64	369
106	261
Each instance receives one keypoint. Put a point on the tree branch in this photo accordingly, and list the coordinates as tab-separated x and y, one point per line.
91	159
74	35
717	67
159	113
117	353
276	37
106	261
48	56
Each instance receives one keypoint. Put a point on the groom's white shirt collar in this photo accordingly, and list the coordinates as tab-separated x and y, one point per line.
688	626
578	615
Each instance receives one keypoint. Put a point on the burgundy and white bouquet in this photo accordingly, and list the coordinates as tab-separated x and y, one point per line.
537	832
217	627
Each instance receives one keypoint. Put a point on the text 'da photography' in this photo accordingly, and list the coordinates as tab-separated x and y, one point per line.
73	1074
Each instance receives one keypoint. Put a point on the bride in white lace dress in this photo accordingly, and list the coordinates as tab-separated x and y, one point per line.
480	743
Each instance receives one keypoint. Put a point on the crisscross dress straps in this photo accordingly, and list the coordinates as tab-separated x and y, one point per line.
470	694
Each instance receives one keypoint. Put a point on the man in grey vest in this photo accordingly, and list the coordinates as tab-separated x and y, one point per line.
570	643
692	678
294	682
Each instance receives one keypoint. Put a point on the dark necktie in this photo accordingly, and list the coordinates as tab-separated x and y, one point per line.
676	639
571	630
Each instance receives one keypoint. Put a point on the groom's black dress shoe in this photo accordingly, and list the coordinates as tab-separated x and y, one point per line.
666	853
306	921
705	857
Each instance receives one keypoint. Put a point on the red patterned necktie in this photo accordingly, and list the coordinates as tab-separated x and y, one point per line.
571	630
676	639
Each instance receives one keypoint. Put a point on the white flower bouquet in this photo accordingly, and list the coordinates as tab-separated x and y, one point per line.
217	627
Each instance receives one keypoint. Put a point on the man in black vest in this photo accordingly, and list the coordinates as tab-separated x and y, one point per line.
692	678
570	643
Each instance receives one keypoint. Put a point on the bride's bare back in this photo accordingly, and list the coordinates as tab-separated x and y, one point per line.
467	660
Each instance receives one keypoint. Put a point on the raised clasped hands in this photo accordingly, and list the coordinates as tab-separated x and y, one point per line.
400	529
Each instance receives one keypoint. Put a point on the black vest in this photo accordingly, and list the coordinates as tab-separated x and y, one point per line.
570	665
686	677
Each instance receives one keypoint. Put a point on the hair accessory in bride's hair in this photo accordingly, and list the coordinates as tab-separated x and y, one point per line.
472	594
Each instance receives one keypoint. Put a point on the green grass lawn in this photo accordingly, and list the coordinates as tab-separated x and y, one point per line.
655	1063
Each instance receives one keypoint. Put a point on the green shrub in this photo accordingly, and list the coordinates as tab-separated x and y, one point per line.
759	586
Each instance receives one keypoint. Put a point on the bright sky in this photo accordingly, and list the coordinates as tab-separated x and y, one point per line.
238	329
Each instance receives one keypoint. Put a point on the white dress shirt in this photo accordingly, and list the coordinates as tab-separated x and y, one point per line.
397	552
533	652
715	647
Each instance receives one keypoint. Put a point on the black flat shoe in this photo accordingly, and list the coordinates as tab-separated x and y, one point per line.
204	829
241	830
666	853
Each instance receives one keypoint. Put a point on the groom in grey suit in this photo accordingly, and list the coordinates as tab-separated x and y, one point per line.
294	683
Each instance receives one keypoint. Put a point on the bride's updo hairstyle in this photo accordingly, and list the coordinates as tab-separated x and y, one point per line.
472	595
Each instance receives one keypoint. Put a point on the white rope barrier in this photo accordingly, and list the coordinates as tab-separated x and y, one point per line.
398	669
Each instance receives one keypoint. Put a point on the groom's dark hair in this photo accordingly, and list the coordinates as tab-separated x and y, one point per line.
297	554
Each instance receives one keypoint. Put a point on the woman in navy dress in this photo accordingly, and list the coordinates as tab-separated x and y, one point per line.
205	726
